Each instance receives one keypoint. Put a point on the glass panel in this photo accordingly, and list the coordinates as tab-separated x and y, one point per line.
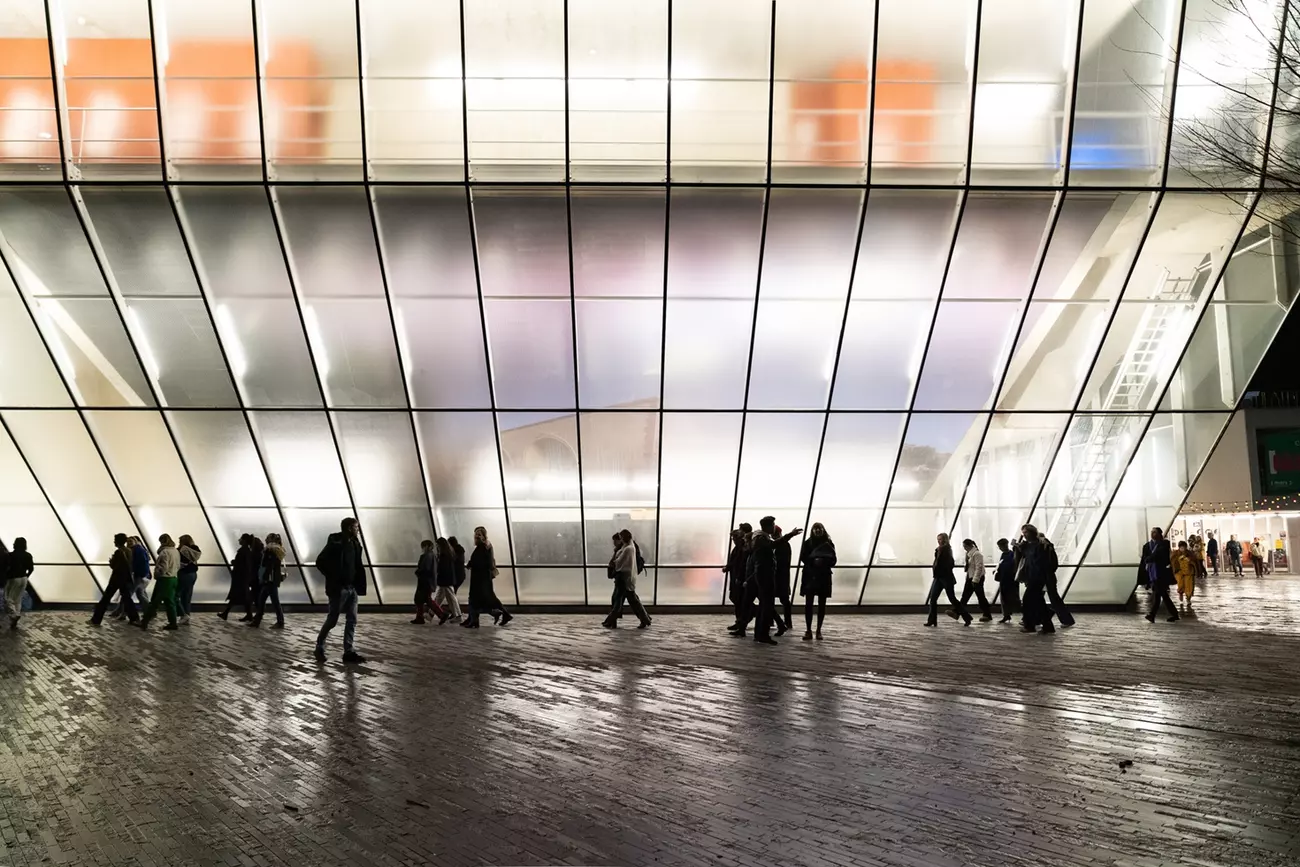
299	451
922	109
823	61
618	242
441	341
222	459
777	465
1018	450
806	266
137	232
142	458
697	488
230	524
619	347
311	529
541	474
234	242
1102	585
352	343
620	463
1171	280
209	86
29	134
897	585
460	456
331	241
720	83
688	587
394	536
108	70
1118	136
179	521
853	481
523	242
967	354
1085	473
712	281
1026	55
932	472
39	227
880	357
531	341
548	586
62	583
997	246
413	90
28	376
618	98
22	505
514	64
311	111
379	454
176	340
63	457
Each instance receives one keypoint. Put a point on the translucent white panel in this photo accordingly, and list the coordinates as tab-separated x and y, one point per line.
300	454
176	341
531	341
542	487
426	241
40	227
523	245
880	357
64	459
777	464
810	240
1026	55
441	341
137	232
394	535
715	235
62	583
937	453
921	115
985	526
967	354
379	453
1118	134
688	587
1092	246
694	536
311	529
1014	459
1102	585
222	458
618	95
93	349
1053	354
413	89
352	342
857	460
142	458
29	147
1173	450
697	487
794	354
620	461
896	586
268	353
618	242
330	240
460	456
997	246
230	524
906	236
706	352
24	510
28	376
619	347
213	583
720	65
546	586
820	129
178	521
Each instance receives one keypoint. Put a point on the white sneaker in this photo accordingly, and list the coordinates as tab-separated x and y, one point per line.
185	620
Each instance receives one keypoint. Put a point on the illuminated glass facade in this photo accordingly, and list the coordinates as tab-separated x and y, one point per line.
558	267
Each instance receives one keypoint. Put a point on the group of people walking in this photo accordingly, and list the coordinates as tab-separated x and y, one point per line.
758	574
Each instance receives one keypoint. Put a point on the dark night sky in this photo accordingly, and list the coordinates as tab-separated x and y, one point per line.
1280	369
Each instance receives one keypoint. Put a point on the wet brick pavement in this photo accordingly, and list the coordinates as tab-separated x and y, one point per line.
555	742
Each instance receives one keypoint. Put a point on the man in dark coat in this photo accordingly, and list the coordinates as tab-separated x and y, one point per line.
1038	573
944	581
760	582
735	572
344	568
784	555
1156	572
120	580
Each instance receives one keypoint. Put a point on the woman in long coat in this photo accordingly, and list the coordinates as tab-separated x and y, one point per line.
482	571
818	558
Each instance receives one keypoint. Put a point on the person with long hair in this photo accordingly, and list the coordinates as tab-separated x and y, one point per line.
167	564
482	572
186	576
817	554
120	581
446	580
238	575
426	576
138	555
18	568
272	576
943	580
458	562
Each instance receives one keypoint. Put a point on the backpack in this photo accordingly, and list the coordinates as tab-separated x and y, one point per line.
640	561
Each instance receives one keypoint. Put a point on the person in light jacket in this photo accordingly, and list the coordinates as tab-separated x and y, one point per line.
446	579
975	580
625	569
944	581
1257	558
167	563
186	576
1184	566
272	576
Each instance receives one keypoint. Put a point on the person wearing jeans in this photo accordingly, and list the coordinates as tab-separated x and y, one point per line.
185	577
975	580
167	562
120	581
18	567
138	557
944	581
625	569
340	561
271	578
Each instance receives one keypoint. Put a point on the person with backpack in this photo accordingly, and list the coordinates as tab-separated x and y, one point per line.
167	564
344	568
272	576
628	563
1155	570
138	556
1232	548
1008	589
446	580
17	569
120	581
186	577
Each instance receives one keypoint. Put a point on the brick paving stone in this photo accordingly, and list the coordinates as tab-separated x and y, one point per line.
556	742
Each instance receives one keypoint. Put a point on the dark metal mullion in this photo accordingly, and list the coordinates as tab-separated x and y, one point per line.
1173	96
157	93
1044	246
916	388
199	281
758	281
1067	131
1272	105
60	104
259	70
482	309
710	410
1191	334
361	97
573	311
291	275
663	313
974	90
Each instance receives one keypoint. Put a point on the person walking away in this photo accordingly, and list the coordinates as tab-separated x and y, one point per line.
186	576
459	563
1197	546
140	576
626	567
1156	571
120	581
1054	599
4	575
735	572
1212	552
272	576
1184	566
166	565
482	572
760	581
446	580
1257	557
817	554
18	568
944	581
426	576
238	580
1233	549
975	574
344	568
252	576
1008	589
784	555
1037	572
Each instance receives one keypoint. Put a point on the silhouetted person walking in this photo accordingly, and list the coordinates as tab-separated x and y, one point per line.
626	566
17	569
482	572
817	554
1233	550
166	566
1212	552
1008	589
1156	571
341	562
446	579
271	578
186	577
782	581
737	559
944	581
120	580
1037	570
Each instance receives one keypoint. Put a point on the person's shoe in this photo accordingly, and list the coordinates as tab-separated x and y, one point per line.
609	624
245	618
1173	619
645	624
170	627
506	618
780	629
469	624
986	618
734	628
320	654
967	620
143	624
184	621
353	658
93	622
279	624
1151	618
1047	630
442	618
13	622
223	614
819	635
496	619
255	623
931	623
119	616
764	639
1005	620
739	633
952	612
